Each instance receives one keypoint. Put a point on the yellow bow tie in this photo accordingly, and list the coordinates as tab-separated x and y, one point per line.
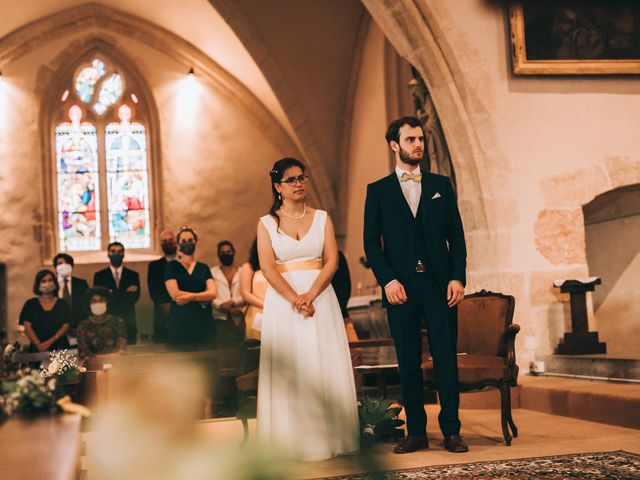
416	177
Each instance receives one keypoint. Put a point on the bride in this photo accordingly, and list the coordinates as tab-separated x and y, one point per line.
306	394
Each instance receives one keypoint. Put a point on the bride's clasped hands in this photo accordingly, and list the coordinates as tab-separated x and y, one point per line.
303	303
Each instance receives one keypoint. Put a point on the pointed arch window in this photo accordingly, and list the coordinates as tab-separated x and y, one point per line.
102	162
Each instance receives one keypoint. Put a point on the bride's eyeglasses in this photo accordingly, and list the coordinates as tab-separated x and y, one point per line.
293	180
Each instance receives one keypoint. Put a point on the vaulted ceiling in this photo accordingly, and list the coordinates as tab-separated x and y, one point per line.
298	57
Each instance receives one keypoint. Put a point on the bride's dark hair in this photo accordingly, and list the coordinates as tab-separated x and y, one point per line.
276	173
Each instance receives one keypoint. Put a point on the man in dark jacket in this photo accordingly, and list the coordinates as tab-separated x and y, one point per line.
157	289
124	286
72	288
414	242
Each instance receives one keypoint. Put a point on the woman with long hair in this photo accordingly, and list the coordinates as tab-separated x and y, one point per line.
307	401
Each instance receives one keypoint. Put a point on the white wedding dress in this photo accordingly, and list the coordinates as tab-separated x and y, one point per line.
307	403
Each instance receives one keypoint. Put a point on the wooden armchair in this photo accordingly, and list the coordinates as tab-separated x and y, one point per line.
486	336
247	385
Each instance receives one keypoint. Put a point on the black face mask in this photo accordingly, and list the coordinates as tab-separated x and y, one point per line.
116	259
226	259
169	248
188	248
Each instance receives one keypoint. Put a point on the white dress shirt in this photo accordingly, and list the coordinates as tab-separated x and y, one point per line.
411	191
225	291
117	274
410	188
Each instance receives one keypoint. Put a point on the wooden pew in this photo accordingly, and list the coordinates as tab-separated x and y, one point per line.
40	447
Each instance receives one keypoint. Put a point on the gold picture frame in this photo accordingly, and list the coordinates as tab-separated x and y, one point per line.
540	65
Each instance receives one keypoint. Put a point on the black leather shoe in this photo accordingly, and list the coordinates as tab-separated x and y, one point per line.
411	444
455	444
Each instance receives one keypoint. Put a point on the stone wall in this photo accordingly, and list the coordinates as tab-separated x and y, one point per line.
215	152
529	152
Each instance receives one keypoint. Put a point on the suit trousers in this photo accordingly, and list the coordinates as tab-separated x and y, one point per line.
426	302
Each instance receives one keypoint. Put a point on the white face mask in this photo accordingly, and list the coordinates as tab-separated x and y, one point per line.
99	308
64	269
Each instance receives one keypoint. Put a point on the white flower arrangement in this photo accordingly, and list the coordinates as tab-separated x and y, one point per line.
8	351
61	362
30	394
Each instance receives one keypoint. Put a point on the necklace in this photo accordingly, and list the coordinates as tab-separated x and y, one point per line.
304	212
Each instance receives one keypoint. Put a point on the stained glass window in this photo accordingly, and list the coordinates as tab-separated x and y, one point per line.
127	181
110	93
97	157
87	78
78	189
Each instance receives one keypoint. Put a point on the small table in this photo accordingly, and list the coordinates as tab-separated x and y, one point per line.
380	372
580	341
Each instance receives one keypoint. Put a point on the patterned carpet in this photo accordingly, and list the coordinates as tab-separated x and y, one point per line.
591	466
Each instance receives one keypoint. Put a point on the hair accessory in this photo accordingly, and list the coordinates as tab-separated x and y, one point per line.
187	228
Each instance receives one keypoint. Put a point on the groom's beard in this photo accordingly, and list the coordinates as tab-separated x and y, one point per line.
412	159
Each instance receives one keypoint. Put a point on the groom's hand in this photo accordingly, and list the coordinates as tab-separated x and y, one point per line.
395	293
455	293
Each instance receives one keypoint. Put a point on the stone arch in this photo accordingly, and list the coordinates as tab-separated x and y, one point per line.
103	22
100	20
288	97
411	30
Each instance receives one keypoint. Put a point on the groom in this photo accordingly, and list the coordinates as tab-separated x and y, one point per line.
414	242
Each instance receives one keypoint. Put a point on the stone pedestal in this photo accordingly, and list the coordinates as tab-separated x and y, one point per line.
580	341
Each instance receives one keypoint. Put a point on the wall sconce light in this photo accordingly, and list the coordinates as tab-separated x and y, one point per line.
191	73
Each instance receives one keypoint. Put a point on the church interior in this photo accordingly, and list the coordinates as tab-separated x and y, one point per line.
125	120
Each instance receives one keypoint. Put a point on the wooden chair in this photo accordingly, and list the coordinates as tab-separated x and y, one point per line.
247	385
486	336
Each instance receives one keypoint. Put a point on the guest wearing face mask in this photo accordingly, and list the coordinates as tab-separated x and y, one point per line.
100	333
124	288
72	288
45	317
158	290
192	290
228	307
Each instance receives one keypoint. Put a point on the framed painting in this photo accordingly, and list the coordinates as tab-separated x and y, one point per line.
575	37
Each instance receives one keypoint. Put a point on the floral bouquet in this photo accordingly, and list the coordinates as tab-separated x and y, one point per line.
35	392
44	391
63	365
31	393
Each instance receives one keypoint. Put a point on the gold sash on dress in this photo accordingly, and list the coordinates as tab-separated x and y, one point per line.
295	266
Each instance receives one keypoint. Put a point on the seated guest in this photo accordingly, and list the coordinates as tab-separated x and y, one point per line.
101	332
192	290
124	287
227	307
45	317
72	289
158	290
253	287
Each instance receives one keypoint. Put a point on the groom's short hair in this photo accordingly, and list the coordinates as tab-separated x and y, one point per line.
393	132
